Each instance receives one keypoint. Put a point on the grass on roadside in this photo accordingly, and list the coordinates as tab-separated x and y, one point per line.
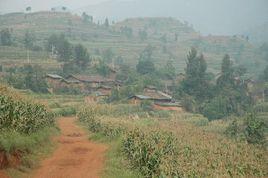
34	147
115	164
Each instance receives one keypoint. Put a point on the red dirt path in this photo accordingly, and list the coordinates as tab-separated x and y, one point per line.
3	174
75	156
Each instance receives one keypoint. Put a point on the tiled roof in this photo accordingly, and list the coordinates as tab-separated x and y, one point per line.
54	76
91	78
157	95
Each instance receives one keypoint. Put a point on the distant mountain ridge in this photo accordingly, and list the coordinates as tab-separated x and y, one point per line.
216	17
170	39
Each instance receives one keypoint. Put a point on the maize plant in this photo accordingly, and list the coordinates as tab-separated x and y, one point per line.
89	116
23	116
154	153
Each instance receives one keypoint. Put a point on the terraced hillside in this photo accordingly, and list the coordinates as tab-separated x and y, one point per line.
170	39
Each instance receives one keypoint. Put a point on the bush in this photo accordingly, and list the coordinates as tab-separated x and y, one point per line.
251	128
189	103
66	111
146	105
233	129
254	130
217	108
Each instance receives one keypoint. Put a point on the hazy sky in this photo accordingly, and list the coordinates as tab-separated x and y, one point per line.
207	16
19	5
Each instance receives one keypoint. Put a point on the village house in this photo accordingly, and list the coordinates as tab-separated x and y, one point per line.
258	90
150	95
56	83
160	100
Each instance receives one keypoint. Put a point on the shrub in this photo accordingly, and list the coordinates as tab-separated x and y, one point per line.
254	131
146	105
251	128
233	129
217	108
66	111
189	103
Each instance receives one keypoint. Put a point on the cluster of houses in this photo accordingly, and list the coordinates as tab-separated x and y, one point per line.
93	84
97	87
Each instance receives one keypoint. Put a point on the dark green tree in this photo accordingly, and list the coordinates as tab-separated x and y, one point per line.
227	73
145	67
61	46
168	71
127	31
196	81
81	56
265	74
145	64
231	96
6	37
87	18
34	79
103	68
29	40
147	53
108	55
106	23
143	35
255	129
28	9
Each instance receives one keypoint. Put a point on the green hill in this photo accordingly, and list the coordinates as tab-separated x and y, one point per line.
170	39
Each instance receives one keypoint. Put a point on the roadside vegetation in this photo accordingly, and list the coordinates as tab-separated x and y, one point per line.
171	146
25	125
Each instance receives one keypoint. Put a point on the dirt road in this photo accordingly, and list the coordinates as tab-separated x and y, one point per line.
75	156
3	175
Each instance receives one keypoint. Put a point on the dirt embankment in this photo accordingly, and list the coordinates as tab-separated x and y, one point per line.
75	156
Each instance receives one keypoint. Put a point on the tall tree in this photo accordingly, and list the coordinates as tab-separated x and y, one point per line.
81	56
61	46
145	67
106	23
34	79
29	9
108	55
87	18
6	38
196	82
265	74
227	72
143	35
29	39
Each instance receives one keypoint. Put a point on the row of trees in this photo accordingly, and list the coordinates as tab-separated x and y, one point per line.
29	39
27	77
228	96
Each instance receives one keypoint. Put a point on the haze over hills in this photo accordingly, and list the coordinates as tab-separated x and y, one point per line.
207	16
161	35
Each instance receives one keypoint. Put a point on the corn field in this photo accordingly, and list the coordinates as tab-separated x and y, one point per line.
22	115
151	152
176	147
